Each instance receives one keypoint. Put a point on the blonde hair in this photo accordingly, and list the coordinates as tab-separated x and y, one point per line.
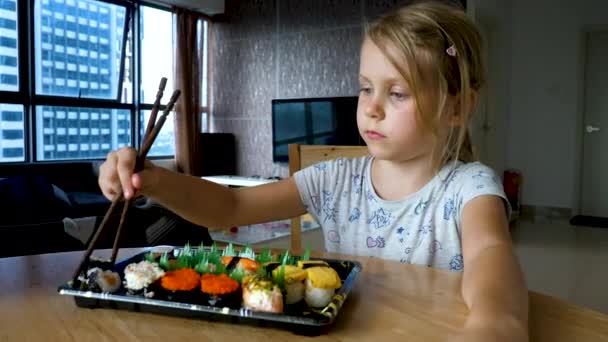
415	39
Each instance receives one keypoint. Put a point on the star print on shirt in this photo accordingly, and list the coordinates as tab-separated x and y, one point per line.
380	219
355	214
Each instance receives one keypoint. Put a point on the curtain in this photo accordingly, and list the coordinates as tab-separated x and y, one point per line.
188	79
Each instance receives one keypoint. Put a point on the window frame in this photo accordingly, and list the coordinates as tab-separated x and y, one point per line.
26	93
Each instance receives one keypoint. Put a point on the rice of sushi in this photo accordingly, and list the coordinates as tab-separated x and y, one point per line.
108	281
294	292
321	285
294	282
140	275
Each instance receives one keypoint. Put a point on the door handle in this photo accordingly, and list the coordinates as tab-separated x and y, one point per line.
592	129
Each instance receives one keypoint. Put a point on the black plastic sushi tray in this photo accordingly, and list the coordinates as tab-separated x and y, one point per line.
299	318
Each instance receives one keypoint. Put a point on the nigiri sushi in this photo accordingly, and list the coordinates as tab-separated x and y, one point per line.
321	284
294	282
246	264
260	294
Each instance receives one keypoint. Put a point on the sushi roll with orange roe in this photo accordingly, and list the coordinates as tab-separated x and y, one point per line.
220	290
180	285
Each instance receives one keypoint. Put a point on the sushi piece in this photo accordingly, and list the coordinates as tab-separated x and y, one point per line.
99	280
312	263
138	276
179	285
107	281
221	290
271	266
260	294
321	284
294	282
184	279
246	264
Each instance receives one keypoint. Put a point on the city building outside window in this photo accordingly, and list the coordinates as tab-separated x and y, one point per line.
81	103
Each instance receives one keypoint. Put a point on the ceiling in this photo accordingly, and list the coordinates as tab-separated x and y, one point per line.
209	7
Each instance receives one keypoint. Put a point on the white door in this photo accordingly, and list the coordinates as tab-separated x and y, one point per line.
594	197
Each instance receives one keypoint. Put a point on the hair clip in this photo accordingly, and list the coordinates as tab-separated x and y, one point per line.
451	50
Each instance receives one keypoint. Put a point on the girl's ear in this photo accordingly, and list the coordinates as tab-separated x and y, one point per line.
455	119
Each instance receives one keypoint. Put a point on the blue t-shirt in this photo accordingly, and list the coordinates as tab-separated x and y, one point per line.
423	228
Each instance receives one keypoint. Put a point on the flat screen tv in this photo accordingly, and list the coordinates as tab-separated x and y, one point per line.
313	121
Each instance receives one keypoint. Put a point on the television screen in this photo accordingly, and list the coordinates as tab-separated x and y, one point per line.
313	121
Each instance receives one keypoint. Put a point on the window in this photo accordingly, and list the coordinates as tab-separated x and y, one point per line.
157	43
56	19
12	131
9	5
164	145
204	31
9	66
85	133
85	60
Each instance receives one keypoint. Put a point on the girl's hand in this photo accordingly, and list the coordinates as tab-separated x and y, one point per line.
116	174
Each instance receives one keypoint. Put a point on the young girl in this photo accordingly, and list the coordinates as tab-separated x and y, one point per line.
417	198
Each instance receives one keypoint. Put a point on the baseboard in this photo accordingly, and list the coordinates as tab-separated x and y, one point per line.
542	212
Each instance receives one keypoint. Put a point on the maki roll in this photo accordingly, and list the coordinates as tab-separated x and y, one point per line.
179	285
138	276
293	278
221	290
321	284
261	294
98	280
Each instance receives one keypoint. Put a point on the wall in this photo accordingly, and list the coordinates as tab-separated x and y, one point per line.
282	49
490	122
545	110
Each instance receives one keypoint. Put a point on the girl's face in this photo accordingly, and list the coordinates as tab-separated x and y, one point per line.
386	112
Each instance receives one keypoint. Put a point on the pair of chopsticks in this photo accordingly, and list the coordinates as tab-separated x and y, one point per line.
153	128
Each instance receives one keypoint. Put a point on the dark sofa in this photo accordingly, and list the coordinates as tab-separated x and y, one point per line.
35	198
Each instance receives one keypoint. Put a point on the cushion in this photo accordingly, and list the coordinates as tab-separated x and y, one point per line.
32	199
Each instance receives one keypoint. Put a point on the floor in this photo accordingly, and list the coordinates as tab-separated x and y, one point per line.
564	261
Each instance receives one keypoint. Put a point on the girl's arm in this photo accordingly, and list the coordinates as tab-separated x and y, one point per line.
493	285
199	201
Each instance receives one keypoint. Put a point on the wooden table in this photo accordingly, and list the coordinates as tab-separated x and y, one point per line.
390	300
